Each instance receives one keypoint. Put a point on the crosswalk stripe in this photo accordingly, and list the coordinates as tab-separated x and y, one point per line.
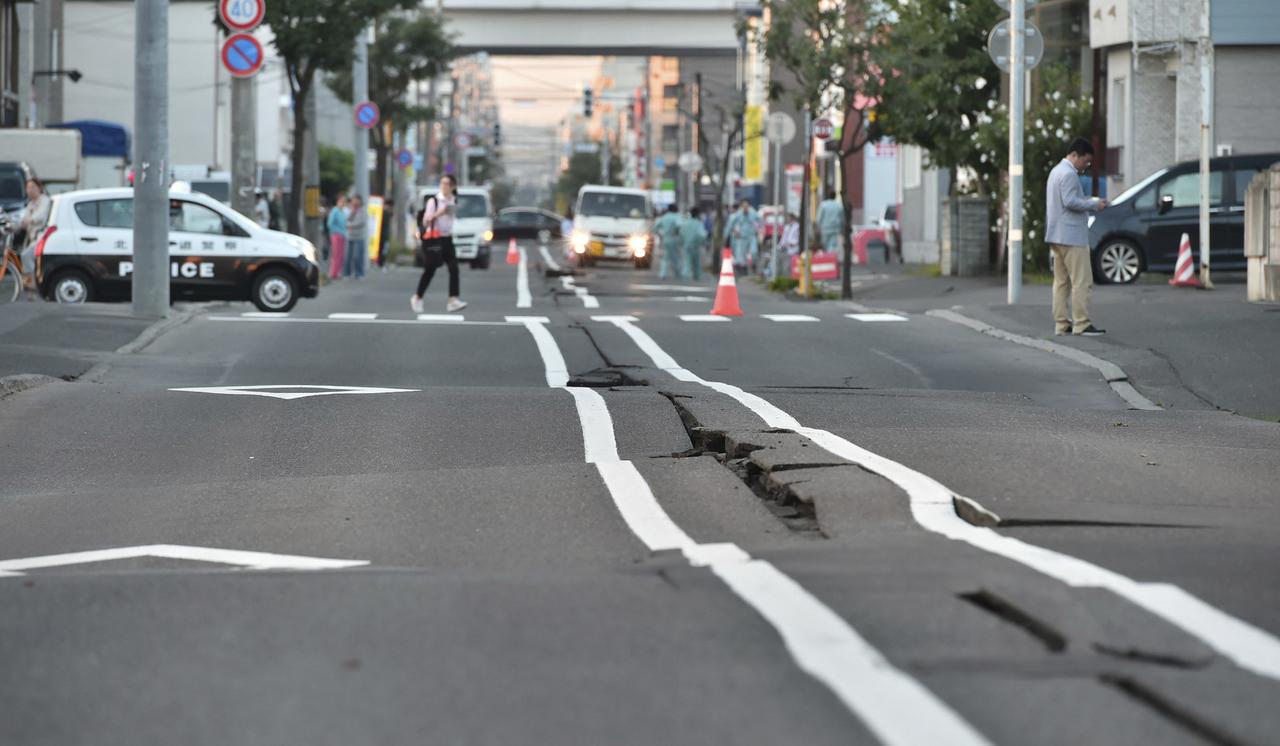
875	317
353	316
703	317
264	315
784	317
440	317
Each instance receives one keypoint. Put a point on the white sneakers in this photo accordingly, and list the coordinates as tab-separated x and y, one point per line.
454	304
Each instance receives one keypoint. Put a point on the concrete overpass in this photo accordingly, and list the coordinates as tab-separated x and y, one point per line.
607	27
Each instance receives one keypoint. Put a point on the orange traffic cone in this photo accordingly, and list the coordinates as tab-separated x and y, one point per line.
1184	272
727	293
513	255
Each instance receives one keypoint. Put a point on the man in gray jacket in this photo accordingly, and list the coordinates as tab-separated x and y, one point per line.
1067	232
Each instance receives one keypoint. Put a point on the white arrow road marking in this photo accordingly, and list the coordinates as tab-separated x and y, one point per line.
274	392
523	299
875	317
932	507
241	558
588	300
893	705
546	257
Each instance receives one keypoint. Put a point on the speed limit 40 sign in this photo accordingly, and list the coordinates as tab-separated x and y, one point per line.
241	15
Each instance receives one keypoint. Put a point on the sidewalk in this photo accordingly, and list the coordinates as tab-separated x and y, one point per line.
63	341
1183	348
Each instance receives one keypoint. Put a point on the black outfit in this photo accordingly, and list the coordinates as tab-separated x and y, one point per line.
435	252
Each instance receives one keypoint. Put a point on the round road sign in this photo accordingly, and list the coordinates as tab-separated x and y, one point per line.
780	128
823	129
998	45
462	140
242	55
241	15
1005	5
690	162
404	158
367	115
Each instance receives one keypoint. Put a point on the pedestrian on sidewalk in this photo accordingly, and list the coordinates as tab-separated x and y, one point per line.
693	237
743	230
790	241
437	245
1067	232
668	230
262	210
337	224
831	222
357	238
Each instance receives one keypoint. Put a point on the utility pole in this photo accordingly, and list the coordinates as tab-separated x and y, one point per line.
312	216
360	94
244	143
1017	92
151	159
805	278
1206	136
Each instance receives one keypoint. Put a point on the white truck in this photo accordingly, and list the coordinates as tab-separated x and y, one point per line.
612	223
53	154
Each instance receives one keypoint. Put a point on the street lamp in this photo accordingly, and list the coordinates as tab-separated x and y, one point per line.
75	75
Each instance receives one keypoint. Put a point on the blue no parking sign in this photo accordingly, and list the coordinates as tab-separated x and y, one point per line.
242	55
404	158
367	115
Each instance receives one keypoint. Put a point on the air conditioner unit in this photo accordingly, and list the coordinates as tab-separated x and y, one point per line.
1223	151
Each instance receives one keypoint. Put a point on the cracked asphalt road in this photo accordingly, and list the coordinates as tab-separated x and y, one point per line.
510	593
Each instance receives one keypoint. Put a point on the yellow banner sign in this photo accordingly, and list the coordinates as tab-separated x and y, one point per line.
753	156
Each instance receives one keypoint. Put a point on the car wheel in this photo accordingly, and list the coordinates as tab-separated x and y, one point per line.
275	291
1118	262
71	286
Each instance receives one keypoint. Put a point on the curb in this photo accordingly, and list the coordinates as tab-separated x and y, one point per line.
148	335
16	384
1112	373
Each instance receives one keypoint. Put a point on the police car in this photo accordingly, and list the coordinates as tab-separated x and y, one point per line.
215	253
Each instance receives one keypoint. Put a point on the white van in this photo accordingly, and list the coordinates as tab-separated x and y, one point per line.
612	223
472	225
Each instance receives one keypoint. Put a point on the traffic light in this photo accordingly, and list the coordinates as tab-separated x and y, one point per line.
587	103
497	135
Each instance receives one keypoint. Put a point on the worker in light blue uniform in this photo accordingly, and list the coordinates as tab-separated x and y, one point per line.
667	228
831	222
693	237
743	233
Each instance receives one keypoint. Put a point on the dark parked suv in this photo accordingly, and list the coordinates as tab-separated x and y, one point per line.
1141	229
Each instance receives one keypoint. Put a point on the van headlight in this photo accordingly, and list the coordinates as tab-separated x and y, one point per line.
487	236
637	244
580	239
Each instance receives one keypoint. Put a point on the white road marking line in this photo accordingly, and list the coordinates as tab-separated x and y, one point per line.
875	317
546	257
523	299
275	391
788	317
446	317
1113	374
700	317
588	300
264	315
400	322
675	288
249	560
1250	647
894	706
353	316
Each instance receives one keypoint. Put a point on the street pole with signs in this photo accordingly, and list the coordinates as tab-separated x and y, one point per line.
151	159
1205	48
1016	47
243	60
360	94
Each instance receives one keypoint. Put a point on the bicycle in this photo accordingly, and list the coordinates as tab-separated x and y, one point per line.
10	264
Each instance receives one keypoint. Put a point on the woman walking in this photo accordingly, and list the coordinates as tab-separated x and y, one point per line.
357	238
437	245
337	224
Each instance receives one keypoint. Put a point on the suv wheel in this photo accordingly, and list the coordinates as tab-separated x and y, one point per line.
275	291
71	286
1118	262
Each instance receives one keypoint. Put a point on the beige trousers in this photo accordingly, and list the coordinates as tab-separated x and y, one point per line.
1072	275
